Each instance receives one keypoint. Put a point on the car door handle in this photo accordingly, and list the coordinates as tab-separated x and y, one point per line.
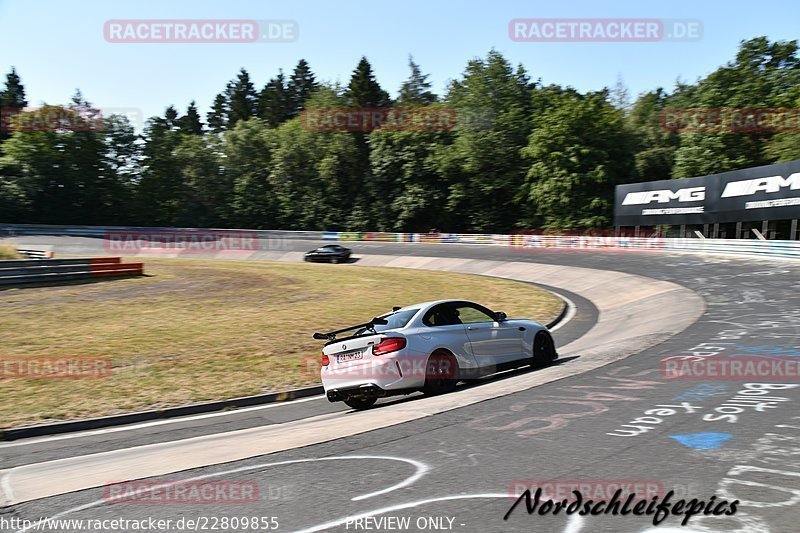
471	328
521	328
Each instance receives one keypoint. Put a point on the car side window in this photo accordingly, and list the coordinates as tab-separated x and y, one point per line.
470	314
441	315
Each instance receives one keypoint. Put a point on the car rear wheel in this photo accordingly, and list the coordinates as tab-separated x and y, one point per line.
361	403
441	373
335	260
544	350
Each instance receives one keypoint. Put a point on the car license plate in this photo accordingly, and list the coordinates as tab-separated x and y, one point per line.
349	356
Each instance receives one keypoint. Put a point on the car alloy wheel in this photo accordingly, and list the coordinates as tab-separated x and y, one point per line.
441	373
544	350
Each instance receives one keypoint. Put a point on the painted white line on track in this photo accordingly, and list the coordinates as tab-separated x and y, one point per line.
7	495
571	311
35	440
421	470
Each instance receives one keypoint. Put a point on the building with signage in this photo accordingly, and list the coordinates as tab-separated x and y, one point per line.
760	202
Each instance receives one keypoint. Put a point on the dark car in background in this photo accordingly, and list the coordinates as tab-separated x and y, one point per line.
331	253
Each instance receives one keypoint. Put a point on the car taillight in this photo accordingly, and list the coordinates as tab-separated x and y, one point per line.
391	344
325	360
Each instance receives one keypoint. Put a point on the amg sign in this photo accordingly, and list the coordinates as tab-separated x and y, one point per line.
764	193
692	194
768	185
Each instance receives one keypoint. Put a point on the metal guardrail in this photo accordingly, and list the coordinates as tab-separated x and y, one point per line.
35	254
743	247
13	272
13	230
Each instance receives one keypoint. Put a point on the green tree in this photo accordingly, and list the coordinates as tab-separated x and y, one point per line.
654	144
300	86
205	189
483	165
315	177
12	100
160	193
364	91
579	151
190	123
274	102
764	74
416	90
217	118
248	161
411	196
61	166
242	99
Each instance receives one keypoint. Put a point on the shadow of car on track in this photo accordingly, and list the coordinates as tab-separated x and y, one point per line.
468	384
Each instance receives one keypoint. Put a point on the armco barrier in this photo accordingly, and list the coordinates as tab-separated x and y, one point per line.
742	247
15	272
35	254
13	230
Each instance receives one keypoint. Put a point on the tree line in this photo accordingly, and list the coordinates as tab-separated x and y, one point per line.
519	155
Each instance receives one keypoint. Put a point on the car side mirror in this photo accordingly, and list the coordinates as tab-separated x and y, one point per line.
499	316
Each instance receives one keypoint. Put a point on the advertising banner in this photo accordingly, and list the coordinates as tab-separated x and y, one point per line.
770	192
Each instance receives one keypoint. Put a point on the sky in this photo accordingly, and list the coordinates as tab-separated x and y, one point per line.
58	46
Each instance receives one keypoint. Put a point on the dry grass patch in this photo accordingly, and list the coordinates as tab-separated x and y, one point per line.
194	330
9	252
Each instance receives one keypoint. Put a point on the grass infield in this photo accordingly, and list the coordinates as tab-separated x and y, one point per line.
196	330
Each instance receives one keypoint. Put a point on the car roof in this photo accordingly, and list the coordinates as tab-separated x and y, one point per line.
426	305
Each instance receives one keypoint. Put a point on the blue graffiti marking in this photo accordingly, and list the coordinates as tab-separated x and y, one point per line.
703	441
703	390
769	350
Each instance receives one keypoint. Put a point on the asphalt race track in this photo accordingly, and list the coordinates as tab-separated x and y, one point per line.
458	469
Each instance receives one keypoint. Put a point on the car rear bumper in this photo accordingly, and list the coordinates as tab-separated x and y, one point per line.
383	376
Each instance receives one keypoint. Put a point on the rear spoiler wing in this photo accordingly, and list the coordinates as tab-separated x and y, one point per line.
331	336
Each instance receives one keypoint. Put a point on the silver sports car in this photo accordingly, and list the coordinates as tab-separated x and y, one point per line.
427	347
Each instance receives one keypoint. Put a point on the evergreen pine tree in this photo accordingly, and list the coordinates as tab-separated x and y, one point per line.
190	123
416	90
363	91
301	85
